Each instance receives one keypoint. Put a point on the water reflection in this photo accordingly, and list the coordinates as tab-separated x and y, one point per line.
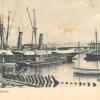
83	64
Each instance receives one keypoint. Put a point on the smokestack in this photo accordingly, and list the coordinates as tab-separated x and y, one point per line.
41	41
20	40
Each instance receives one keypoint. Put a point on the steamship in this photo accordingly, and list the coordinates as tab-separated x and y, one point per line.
43	57
41	53
40	56
37	54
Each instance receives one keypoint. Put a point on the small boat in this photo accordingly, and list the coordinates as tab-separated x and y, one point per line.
85	71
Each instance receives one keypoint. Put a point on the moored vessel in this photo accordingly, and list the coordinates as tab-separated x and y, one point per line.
94	54
37	54
86	71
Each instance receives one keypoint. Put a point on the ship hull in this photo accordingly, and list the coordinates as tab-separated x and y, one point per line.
82	71
93	56
50	62
64	57
67	57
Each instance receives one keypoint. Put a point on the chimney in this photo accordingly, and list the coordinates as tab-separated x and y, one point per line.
20	40
41	41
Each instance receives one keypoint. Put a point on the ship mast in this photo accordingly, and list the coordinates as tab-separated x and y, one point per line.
96	40
9	27
1	28
2	44
1	32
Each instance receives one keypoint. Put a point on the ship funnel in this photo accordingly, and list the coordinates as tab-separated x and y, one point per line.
19	46
41	41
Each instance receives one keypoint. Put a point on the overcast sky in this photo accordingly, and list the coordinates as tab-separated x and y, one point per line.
60	20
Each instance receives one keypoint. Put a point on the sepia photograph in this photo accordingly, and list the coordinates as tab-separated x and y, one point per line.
49	46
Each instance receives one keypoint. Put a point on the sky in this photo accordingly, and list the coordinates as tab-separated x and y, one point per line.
59	20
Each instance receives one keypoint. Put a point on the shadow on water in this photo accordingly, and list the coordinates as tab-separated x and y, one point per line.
43	69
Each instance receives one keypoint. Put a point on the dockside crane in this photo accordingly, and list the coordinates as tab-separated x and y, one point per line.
9	27
1	33
7	34
33	25
2	27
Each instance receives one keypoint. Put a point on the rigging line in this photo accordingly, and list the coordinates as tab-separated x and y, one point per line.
12	21
34	18
30	23
29	17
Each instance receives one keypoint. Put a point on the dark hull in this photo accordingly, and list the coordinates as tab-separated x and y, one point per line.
46	63
37	64
35	60
65	57
50	62
70	57
93	57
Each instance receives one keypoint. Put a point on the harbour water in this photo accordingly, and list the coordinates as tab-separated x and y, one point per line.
64	72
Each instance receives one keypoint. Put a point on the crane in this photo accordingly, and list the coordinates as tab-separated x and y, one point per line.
9	27
33	25
1	32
